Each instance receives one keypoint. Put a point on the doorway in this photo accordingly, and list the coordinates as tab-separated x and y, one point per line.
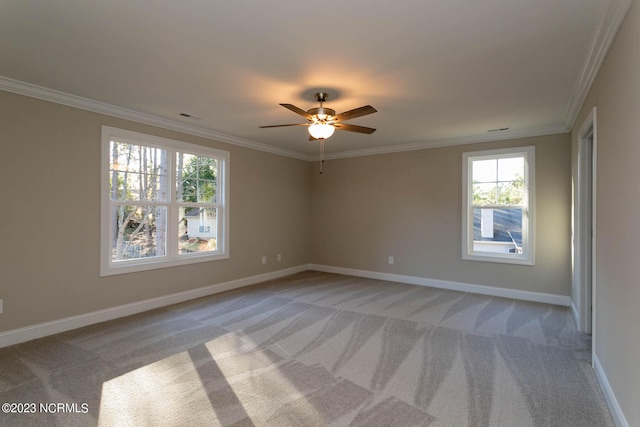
585	228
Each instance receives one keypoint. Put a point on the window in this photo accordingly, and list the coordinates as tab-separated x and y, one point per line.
498	210
164	202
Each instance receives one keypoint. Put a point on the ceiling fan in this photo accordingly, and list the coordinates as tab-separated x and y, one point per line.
324	121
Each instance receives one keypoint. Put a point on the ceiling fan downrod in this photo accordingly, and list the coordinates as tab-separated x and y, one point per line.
322	114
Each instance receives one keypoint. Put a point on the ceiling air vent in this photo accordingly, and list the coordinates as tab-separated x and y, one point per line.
190	116
498	130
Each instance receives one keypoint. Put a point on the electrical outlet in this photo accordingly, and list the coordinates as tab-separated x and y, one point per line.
264	259
279	257
390	260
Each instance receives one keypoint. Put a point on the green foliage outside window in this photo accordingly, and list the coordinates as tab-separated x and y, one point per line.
499	193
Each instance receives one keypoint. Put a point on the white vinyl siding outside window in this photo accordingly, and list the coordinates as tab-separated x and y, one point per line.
155	192
498	205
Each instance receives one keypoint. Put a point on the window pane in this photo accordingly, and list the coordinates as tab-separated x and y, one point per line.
137	172
506	235
511	193
207	168
485	194
484	170
138	231
511	169
206	191
197	230
127	186
196	178
137	187
123	155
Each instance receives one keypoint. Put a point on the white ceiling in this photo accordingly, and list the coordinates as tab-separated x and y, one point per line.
437	71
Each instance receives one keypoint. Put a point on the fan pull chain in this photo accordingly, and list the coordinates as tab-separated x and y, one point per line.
321	154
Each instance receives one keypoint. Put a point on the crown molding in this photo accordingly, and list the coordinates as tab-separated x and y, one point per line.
39	92
447	142
607	26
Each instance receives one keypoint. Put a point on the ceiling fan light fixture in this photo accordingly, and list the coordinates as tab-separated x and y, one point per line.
321	130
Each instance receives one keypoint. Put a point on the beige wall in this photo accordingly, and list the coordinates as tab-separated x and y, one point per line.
616	95
355	215
409	205
50	216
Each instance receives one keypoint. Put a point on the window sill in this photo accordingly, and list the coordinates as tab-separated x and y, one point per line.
499	259
133	266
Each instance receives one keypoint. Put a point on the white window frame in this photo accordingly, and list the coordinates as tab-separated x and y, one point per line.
172	258
527	257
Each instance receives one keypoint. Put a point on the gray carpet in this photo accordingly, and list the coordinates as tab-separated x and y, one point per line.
315	349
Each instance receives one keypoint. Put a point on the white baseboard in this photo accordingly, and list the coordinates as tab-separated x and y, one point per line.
62	325
616	412
445	284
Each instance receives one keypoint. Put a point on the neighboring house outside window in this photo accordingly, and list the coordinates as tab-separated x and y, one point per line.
498	205
154	191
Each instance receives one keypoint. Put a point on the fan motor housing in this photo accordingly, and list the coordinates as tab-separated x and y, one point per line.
322	110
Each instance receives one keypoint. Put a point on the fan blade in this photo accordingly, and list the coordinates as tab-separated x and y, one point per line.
354	128
299	111
279	126
356	112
